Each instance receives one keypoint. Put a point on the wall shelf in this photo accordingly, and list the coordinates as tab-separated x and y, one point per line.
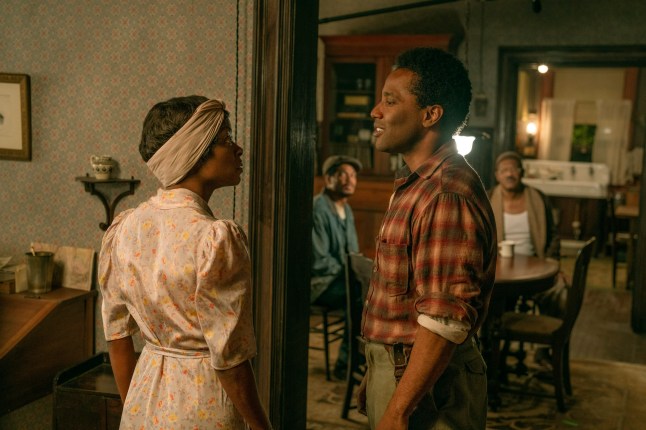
91	184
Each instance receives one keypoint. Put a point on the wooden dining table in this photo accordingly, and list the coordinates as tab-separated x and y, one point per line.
516	276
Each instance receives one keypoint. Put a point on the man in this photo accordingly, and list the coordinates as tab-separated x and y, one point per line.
435	260
333	237
523	214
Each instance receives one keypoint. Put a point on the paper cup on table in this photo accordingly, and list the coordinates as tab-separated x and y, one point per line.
40	269
506	248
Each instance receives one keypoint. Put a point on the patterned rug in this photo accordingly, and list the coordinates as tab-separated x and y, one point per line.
606	395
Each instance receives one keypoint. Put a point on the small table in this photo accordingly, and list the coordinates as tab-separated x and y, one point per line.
516	276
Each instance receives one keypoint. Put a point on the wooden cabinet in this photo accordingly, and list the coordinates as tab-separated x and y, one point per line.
86	396
39	337
356	68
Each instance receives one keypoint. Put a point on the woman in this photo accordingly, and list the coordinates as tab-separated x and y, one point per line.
171	270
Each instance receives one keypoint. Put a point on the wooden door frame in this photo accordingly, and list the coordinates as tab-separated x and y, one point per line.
282	159
510	60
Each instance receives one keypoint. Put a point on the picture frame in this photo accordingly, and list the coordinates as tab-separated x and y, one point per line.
15	117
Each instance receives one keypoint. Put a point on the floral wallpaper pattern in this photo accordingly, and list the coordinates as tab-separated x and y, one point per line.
96	68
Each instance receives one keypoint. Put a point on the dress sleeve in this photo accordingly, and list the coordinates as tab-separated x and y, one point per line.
117	320
449	266
223	295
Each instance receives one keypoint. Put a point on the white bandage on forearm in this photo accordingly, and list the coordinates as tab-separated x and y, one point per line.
178	155
454	331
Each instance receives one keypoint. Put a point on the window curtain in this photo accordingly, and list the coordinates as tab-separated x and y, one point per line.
556	125
611	139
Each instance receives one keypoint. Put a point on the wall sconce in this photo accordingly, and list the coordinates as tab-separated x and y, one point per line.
531	128
464	144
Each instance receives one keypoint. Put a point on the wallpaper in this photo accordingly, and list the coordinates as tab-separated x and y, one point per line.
96	68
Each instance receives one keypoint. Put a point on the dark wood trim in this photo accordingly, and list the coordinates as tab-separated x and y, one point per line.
509	61
283	138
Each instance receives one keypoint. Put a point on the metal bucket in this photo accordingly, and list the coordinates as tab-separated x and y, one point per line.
40	270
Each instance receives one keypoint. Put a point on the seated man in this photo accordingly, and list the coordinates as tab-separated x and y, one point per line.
523	214
333	237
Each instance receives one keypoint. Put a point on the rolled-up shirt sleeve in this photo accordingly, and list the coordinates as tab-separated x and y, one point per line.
448	266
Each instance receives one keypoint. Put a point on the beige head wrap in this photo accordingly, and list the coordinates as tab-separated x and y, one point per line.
178	155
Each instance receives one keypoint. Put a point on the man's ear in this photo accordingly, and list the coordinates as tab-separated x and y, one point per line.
432	115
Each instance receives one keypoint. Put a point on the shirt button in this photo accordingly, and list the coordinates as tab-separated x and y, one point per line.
374	269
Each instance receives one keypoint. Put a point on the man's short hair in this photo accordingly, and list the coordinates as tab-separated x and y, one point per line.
441	80
509	155
332	163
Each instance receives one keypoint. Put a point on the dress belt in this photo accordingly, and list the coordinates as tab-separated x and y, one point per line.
177	353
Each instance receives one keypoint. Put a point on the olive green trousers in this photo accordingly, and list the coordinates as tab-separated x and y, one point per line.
458	401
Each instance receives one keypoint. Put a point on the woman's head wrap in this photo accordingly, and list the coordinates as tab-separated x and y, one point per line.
172	162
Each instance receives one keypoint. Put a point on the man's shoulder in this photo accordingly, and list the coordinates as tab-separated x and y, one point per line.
322	206
320	201
536	192
457	176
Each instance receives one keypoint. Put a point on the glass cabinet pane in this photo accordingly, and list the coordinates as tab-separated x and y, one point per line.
352	99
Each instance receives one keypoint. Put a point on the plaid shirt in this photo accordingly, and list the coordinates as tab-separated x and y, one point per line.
436	252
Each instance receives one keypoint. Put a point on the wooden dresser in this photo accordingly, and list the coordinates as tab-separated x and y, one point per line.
39	337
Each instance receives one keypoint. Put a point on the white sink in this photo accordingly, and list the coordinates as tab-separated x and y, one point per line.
568	178
562	188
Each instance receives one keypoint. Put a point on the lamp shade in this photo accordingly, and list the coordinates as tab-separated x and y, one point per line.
464	144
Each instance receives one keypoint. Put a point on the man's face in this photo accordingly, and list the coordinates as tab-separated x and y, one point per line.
509	174
343	181
397	116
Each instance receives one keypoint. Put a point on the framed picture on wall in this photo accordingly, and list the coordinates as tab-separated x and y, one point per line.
15	117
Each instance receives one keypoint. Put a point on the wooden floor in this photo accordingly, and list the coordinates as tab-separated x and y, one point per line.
602	332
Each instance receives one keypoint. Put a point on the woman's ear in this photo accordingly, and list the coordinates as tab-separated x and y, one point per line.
432	115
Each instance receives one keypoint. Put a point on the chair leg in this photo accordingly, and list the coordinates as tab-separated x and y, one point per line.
566	369
503	361
614	265
326	349
349	388
557	365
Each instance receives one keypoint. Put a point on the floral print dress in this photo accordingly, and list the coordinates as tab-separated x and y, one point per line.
172	271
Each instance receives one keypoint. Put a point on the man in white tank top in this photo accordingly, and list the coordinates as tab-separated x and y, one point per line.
523	214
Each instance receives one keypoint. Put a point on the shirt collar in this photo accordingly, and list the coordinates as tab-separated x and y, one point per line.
180	198
428	167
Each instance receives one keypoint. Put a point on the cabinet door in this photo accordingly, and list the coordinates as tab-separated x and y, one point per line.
356	68
351	97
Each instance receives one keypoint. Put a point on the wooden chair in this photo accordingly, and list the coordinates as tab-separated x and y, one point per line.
620	238
551	331
331	326
357	276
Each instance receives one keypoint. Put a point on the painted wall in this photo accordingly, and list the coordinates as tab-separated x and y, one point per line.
96	68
